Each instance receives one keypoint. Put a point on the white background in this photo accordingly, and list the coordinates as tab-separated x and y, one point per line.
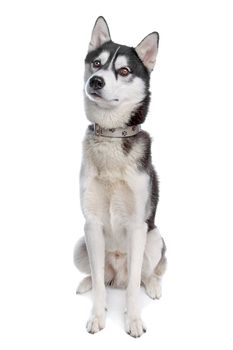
42	123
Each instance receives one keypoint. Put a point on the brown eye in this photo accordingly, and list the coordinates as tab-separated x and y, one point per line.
96	64
124	71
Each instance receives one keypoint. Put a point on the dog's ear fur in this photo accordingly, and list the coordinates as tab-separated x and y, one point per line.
100	34
147	50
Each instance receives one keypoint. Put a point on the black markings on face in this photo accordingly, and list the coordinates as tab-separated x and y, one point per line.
134	63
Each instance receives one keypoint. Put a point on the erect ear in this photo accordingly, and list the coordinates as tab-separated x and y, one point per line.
100	34
147	50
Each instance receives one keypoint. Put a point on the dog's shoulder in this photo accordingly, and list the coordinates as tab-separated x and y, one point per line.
138	148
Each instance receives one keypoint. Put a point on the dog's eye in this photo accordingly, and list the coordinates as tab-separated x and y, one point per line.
96	64
124	71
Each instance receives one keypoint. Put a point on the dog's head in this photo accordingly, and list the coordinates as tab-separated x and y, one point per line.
117	78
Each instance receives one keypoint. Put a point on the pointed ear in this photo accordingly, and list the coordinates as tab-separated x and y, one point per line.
100	34
147	50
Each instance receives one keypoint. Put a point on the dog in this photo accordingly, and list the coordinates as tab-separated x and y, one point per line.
119	188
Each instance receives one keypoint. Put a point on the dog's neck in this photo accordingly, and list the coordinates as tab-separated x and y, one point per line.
127	131
117	118
138	116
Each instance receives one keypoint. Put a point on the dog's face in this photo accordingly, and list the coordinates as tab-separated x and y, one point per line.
116	76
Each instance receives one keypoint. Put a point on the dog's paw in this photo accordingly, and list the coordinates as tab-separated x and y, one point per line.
134	326
84	286
153	288
96	323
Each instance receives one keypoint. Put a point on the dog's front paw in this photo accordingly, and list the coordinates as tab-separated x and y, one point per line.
96	322
134	326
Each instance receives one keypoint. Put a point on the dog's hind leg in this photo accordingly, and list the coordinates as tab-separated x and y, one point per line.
84	286
81	261
154	264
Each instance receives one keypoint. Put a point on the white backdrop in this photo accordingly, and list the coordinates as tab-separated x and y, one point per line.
42	123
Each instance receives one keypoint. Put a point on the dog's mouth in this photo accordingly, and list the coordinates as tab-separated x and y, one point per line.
95	94
98	96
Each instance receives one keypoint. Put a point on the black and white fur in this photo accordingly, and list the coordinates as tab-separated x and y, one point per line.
118	184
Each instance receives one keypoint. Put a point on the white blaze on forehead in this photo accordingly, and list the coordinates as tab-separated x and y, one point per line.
120	62
103	57
110	65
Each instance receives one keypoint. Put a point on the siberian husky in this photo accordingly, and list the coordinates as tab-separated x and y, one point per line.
119	192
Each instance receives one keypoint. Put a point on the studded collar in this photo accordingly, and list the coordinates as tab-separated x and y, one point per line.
117	132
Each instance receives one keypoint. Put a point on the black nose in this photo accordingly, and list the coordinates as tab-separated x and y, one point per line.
97	83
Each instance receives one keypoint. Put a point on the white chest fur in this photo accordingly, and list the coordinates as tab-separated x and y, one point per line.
106	155
113	190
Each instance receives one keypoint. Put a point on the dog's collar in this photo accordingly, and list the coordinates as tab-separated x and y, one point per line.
117	132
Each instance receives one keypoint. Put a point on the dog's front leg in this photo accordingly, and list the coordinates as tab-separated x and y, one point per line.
96	252
136	237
